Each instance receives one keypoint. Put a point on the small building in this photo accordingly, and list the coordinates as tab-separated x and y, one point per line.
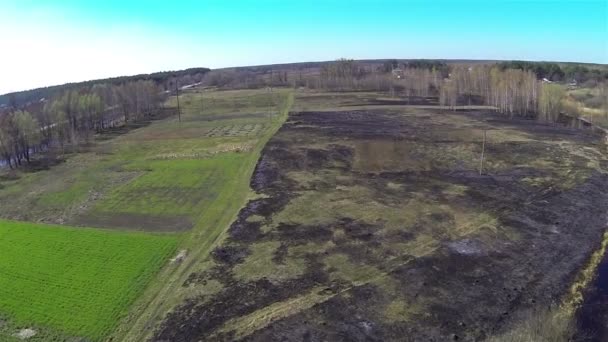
398	73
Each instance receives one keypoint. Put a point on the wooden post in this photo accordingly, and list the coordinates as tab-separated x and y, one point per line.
483	149
270	103
179	112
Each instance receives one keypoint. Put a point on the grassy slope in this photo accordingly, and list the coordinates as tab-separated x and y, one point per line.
168	291
79	281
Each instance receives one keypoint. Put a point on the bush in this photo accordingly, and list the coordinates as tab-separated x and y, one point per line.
594	102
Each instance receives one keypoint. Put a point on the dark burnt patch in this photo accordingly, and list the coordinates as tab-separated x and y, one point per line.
342	318
230	254
359	230
196	319
244	231
352	124
264	174
400	101
280	254
540	130
221	272
301	234
467	289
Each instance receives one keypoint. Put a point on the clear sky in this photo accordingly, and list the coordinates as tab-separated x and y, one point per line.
52	42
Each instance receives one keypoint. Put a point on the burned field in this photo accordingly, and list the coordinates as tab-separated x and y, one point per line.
376	225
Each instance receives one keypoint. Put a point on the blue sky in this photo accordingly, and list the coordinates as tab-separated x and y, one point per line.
51	42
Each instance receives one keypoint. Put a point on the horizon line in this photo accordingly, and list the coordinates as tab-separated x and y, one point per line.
303	62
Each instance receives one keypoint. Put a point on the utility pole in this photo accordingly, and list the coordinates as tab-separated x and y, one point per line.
483	149
179	112
270	103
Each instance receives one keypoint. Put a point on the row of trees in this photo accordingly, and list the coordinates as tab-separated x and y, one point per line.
20	135
514	88
512	91
74	116
554	72
165	79
392	64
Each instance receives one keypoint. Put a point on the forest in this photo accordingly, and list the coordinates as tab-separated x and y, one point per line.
73	117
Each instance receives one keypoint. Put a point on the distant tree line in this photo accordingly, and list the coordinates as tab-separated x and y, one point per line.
392	64
514	89
20	135
346	74
514	92
554	72
165	79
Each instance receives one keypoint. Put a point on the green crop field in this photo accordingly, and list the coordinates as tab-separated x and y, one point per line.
79	281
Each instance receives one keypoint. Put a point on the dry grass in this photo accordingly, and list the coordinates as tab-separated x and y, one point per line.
539	326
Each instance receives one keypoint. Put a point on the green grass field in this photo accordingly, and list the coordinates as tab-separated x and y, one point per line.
78	281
